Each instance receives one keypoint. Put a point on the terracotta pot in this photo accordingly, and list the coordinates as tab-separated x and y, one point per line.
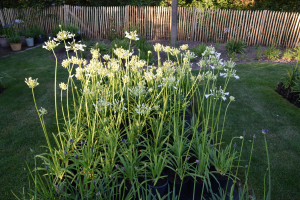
16	46
3	42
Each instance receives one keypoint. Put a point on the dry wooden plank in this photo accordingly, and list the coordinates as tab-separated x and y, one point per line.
296	34
284	28
266	28
293	30
289	29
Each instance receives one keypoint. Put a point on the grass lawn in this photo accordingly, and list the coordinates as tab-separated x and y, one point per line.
257	106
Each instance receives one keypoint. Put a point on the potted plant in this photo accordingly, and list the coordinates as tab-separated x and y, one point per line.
29	38
178	171
199	174
6	33
157	162
15	42
38	34
222	160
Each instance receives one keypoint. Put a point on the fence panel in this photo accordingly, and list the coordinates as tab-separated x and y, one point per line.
204	25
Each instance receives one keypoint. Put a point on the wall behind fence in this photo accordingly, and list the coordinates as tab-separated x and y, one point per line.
204	25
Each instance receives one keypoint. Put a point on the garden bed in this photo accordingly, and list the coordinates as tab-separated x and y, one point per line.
292	97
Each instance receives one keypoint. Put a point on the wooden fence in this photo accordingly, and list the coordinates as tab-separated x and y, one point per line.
204	25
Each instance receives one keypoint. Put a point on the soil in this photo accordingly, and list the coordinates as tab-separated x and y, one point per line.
172	174
250	53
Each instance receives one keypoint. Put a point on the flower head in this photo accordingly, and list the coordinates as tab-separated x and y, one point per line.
246	166
47	166
132	35
234	145
50	45
71	140
63	86
244	132
43	111
254	136
76	156
124	141
197	161
265	131
98	193
32	83
65	153
184	47
111	176
94	182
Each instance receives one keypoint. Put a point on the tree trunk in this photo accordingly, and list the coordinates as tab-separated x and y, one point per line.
174	22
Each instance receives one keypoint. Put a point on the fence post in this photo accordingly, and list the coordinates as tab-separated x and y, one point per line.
127	18
66	13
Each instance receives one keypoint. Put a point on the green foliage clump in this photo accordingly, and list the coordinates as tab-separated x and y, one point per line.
297	52
258	54
199	50
234	46
288	54
144	47
272	52
103	48
117	43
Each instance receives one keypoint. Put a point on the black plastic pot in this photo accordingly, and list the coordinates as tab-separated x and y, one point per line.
179	187
38	40
159	189
197	186
221	182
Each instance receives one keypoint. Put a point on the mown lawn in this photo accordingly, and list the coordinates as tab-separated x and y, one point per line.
257	106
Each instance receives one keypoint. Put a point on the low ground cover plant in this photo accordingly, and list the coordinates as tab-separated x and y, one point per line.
272	52
122	118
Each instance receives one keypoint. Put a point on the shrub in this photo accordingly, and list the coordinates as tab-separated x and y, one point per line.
235	46
272	52
258	54
199	50
103	48
297	52
117	43
288	54
144	47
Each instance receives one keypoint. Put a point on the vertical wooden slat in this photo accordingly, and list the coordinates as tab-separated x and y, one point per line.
294	28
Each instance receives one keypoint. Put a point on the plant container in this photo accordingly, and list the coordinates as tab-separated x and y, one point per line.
3	42
40	40
180	186
30	42
197	186
49	36
162	185
16	46
23	40
221	182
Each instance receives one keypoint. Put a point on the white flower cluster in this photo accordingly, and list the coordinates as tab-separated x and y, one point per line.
50	45
137	90
122	53
143	109
216	94
63	35
75	47
169	82
132	35
32	83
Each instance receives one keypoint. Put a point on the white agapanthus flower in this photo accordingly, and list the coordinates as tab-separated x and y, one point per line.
184	47
106	57
63	35
43	111
158	47
143	109
63	86
132	35
32	83
216	94
50	45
